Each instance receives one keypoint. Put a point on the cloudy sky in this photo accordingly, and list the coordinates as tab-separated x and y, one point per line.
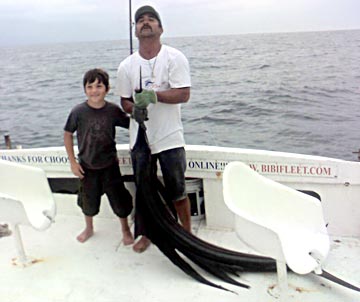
49	21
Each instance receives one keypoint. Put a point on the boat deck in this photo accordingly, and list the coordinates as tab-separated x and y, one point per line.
104	270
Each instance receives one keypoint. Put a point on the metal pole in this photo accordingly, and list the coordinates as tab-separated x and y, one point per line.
7	141
130	28
358	153
22	259
282	281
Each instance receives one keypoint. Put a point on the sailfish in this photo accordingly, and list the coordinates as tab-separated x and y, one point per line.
163	229
182	247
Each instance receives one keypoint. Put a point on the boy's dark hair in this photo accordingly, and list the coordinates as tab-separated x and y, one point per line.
96	73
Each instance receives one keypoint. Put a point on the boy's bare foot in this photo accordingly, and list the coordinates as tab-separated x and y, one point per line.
141	245
85	235
128	238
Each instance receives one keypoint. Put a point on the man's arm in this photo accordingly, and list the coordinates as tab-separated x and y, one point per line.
171	96
69	147
174	95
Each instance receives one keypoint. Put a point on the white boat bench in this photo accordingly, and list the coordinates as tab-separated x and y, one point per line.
25	199
276	221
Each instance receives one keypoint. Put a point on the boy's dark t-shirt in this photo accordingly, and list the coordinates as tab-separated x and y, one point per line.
95	130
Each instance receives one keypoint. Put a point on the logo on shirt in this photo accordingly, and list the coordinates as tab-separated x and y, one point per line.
150	85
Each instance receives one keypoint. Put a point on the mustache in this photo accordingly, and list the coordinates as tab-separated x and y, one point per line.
146	27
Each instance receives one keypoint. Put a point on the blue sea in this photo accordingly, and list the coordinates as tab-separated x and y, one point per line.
291	92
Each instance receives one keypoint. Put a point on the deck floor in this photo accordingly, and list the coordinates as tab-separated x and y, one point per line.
103	270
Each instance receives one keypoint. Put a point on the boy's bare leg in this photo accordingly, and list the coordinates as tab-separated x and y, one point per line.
89	230
183	210
141	245
128	238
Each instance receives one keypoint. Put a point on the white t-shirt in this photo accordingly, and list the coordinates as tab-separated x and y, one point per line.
169	69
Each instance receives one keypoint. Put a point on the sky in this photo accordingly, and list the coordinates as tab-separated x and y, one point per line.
55	21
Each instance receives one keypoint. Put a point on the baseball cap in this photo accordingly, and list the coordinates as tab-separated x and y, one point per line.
147	9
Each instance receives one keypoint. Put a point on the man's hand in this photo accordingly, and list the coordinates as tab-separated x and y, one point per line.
144	98
139	114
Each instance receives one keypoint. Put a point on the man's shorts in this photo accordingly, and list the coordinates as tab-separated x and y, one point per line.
173	166
104	181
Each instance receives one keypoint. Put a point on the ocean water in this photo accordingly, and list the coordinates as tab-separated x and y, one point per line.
291	92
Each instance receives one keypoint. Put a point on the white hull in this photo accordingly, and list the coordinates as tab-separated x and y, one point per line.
336	181
103	270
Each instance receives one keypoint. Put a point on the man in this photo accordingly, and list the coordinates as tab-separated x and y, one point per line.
165	79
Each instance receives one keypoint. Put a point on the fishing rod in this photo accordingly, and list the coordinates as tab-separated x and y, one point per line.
130	27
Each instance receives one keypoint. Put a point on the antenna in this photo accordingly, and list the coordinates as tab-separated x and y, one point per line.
130	27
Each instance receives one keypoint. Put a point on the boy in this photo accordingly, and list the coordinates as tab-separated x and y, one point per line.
94	122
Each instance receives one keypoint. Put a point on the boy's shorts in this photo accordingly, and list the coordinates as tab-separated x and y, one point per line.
173	166
104	181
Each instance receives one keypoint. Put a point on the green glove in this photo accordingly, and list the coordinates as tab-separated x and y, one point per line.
144	98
